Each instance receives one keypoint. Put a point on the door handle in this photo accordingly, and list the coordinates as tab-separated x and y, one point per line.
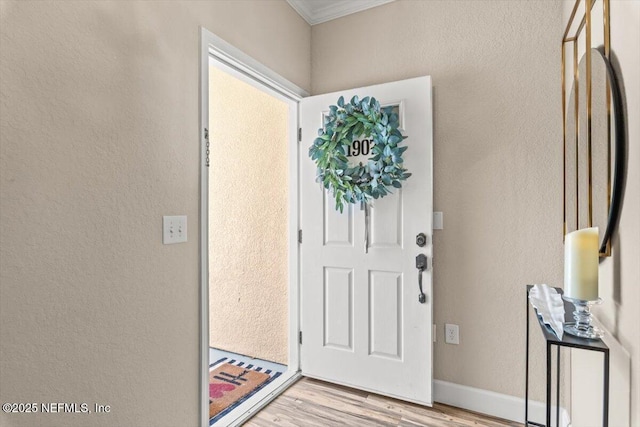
421	265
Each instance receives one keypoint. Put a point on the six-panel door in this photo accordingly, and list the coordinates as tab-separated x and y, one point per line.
362	323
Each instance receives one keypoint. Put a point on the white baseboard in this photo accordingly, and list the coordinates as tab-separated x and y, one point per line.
495	404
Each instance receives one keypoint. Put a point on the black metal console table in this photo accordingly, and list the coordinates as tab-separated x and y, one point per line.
566	341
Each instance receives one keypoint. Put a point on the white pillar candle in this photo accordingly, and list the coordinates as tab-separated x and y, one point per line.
581	264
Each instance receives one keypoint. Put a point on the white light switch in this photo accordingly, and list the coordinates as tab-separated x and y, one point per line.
438	221
174	229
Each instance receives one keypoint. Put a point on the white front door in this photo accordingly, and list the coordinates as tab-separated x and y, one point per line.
361	321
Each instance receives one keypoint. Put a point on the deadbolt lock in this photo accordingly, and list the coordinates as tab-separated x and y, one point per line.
421	240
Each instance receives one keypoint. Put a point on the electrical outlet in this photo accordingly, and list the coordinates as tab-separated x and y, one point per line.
451	334
174	229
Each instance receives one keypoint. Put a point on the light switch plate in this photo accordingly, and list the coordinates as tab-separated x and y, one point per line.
438	221
174	229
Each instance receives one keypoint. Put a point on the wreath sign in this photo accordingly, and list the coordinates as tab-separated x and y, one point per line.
353	183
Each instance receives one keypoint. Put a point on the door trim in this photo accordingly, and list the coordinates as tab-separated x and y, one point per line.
242	62
257	74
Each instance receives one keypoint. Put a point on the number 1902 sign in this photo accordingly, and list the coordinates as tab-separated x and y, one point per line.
359	148
363	169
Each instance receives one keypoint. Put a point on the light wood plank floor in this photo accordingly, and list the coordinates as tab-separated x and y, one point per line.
313	403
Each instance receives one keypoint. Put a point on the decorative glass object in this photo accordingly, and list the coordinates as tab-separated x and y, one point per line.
582	326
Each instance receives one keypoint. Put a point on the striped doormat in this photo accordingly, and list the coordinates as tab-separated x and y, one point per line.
231	382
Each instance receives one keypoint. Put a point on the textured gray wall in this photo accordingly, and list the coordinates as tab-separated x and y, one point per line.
99	139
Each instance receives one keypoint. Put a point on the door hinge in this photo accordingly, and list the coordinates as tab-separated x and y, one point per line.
206	138
299	134
300	337
299	236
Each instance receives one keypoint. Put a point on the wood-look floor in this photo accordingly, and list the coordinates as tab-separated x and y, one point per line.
313	403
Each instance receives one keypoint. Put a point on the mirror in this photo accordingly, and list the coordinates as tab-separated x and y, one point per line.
596	194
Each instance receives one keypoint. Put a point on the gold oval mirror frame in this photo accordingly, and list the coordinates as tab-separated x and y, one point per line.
594	151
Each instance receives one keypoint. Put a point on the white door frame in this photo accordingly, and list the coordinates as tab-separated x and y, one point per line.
255	73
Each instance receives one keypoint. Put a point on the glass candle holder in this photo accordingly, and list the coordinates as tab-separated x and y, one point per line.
582	326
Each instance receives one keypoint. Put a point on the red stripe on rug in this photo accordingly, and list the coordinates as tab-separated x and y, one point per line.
229	383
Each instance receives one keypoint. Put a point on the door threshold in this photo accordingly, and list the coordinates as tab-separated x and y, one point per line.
370	390
259	400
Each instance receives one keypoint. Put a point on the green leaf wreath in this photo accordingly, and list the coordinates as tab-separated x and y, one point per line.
384	170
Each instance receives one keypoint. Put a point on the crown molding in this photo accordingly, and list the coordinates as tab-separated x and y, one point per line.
319	11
